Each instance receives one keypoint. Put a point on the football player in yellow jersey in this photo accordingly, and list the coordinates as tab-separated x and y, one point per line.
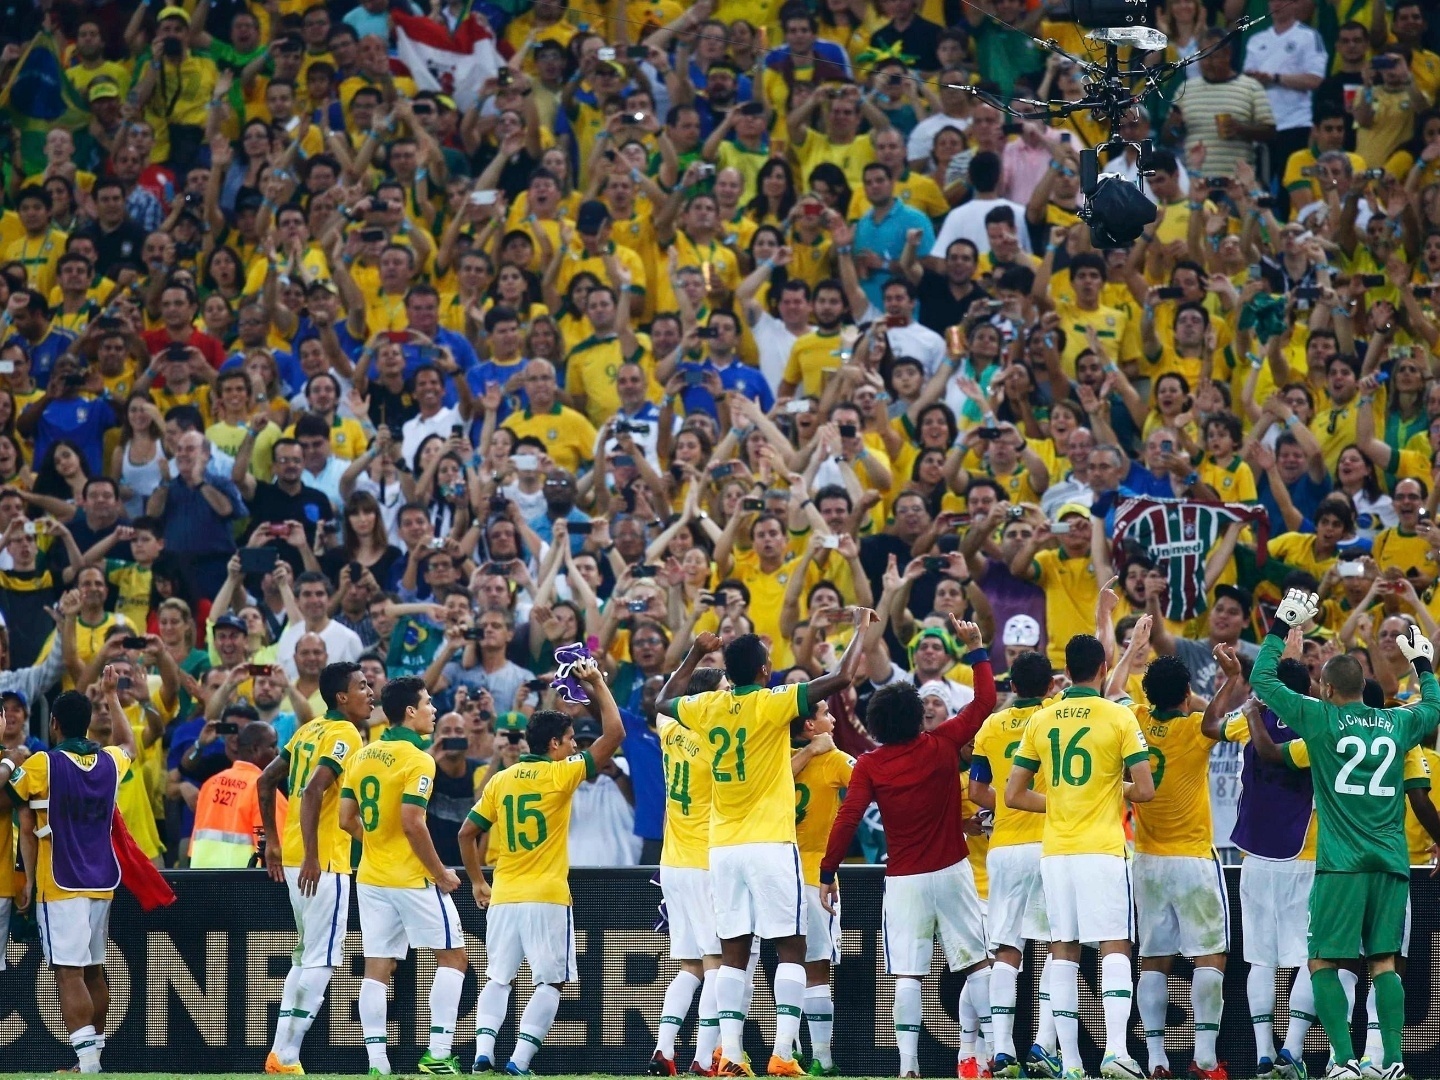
313	859
1016	906
685	875
754	861
1083	744
527	808
403	886
822	773
74	902
1180	897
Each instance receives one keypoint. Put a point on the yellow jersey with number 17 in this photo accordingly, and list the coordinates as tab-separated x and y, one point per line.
993	758
383	777
526	811
687	796
818	791
1082	744
1177	820
747	734
328	741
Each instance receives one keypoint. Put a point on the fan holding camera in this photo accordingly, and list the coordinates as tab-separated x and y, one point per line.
75	407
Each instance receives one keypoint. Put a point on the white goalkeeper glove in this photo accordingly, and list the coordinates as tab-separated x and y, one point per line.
1298	607
1416	647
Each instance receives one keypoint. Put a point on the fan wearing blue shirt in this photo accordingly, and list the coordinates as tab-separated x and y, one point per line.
880	233
504	368
75	408
30	316
722	335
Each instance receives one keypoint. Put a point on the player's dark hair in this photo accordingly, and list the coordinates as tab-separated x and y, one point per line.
1294	674
1166	682
1345	676
335	680
1030	674
401	694
1084	657
745	659
895	713
1087	260
241	709
705	679
71	714
545	726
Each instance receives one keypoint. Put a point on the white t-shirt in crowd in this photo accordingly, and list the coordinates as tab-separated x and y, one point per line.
967	222
1298	51
341	643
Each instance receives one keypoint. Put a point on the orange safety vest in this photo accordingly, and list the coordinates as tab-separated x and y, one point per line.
227	816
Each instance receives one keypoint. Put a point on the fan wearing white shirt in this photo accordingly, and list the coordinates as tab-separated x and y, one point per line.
775	335
435	417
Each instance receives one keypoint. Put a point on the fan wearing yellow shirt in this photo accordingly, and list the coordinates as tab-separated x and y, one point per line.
765	570
592	365
1402	547
1117	332
1082	744
819	352
1180	900
313	859
1221	467
73	900
755	870
523	822
685	872
41	246
1066	573
402	885
1016	907
841	144
822	773
567	434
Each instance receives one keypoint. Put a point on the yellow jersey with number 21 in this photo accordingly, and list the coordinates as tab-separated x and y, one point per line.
1082	744
328	741
382	778
526	810
747	734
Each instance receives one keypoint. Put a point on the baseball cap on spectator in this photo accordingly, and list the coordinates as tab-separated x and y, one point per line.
1239	595
586	730
511	721
102	88
614	65
1073	508
1021	631
231	622
173	13
16	695
591	217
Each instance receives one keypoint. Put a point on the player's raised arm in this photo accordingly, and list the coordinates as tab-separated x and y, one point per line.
1212	725
1420	651
1297	710
612	728
844	673
961	727
679	681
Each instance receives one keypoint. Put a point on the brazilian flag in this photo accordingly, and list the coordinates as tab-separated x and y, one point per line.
39	97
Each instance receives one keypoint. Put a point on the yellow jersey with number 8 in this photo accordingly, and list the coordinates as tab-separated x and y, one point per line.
818	792
328	741
687	796
1082	745
526	810
1177	820
747	734
382	778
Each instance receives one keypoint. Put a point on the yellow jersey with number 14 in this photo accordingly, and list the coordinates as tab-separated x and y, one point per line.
1177	820
1082	744
328	741
818	791
687	796
747	734
382	778
526	810
991	762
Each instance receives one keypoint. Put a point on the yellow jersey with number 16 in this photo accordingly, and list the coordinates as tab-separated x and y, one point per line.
382	778
1082	745
526	811
746	732
687	796
328	741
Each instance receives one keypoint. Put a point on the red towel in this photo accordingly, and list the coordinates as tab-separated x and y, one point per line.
138	873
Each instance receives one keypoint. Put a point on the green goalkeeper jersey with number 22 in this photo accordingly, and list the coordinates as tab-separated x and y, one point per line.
1357	757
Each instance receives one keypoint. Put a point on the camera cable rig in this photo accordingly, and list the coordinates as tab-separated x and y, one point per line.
1115	209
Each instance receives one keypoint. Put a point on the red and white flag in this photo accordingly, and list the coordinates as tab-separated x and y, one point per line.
455	63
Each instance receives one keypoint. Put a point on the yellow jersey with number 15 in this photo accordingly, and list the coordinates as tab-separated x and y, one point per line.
526	810
328	741
382	778
1177	820
818	791
746	732
687	796
1082	745
991	762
